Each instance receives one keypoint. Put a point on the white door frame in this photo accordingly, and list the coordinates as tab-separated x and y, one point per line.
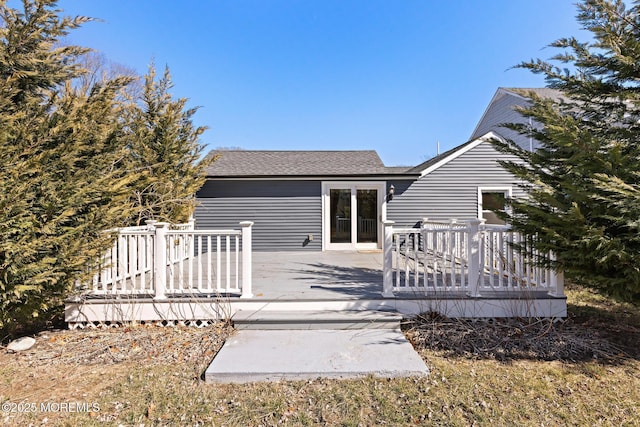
380	186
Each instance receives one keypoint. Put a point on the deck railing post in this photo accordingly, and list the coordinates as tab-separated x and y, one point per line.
557	280
160	260
473	230
387	253
192	240
247	285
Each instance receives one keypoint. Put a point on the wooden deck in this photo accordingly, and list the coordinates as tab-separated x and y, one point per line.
311	281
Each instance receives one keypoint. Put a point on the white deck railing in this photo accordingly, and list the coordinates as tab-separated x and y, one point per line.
161	259
463	256
367	228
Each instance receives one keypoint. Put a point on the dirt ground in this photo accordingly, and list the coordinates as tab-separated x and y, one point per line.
67	364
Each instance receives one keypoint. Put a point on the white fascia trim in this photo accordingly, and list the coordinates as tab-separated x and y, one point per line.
461	151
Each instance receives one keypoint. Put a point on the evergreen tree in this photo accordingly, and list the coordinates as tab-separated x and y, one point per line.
62	180
584	181
164	145
78	155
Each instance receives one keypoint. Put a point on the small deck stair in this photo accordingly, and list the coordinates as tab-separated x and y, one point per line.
324	319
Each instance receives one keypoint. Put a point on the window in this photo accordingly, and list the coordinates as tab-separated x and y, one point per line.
490	201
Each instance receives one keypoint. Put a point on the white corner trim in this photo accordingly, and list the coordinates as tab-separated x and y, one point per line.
470	146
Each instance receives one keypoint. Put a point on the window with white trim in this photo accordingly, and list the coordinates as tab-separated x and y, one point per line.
491	200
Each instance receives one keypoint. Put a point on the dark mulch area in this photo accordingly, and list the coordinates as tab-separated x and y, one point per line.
584	335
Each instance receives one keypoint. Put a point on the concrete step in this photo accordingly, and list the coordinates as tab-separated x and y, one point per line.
308	319
250	356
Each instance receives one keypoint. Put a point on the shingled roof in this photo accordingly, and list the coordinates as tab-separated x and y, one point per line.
250	163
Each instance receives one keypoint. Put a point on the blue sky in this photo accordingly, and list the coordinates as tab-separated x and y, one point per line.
393	76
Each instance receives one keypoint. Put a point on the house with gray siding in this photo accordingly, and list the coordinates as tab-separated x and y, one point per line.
337	200
300	200
313	201
461	183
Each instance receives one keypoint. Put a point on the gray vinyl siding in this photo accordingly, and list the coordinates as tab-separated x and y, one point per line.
284	212
500	112
451	191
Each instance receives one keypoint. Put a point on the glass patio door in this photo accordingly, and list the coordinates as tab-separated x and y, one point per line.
367	210
352	215
340	201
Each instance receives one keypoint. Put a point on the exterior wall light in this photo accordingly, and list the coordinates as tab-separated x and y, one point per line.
391	192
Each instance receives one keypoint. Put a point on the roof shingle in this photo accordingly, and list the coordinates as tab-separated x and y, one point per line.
237	163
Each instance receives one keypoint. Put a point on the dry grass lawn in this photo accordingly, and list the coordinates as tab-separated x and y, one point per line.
585	371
